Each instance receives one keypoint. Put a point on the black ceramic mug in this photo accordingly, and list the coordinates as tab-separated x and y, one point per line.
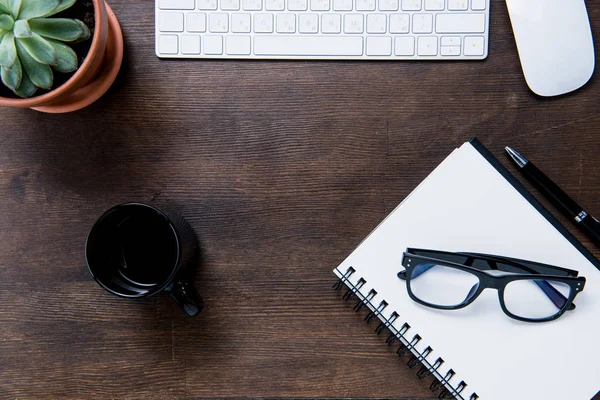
135	250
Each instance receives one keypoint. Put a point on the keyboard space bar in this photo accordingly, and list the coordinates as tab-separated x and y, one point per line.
308	46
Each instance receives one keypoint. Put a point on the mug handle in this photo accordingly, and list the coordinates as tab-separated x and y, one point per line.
187	298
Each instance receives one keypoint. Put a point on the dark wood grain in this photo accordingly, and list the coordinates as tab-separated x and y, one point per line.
281	168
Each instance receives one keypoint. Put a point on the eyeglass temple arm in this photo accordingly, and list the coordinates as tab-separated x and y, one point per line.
529	266
490	260
554	295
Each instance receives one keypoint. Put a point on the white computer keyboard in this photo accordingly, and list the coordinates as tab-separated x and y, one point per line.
323	29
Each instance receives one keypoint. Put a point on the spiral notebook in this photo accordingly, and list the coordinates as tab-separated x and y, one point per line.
471	203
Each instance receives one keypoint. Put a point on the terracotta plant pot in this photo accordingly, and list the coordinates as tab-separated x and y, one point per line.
94	76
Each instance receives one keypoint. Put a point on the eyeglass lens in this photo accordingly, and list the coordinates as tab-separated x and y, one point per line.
441	285
535	298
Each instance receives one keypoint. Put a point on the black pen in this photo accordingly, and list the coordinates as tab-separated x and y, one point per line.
588	224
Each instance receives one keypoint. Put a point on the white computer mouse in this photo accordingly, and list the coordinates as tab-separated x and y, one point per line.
555	44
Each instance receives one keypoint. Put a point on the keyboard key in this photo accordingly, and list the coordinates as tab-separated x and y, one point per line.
286	23
365	5
379	46
167	44
237	45
422	23
319	5
213	45
450	50
190	44
399	23
474	45
170	22
252	5
196	22
342	5
404	46
376	23
308	23
388	5
434	5
478	5
427	45
176	4
331	23
240	23
460	23
450	40
263	23
297	5
411	5
458	5
353	23
308	45
207	4
274	5
230	5
218	22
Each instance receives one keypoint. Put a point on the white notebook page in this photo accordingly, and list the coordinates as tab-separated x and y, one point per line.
467	205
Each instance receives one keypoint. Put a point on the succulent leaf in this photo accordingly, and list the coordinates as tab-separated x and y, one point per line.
2	33
4	9
33	9
22	29
6	22
86	31
39	49
63	29
67	59
39	74
15	7
8	51
64	4
26	88
11	77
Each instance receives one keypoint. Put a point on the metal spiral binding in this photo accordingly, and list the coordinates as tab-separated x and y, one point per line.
406	345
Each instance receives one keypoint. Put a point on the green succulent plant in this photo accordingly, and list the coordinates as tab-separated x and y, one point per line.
31	43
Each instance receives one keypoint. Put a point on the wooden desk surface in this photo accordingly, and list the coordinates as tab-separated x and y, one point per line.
281	168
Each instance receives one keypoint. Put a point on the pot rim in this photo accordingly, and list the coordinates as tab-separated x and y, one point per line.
99	15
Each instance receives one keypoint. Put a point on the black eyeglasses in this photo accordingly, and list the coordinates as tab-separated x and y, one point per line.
528	291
